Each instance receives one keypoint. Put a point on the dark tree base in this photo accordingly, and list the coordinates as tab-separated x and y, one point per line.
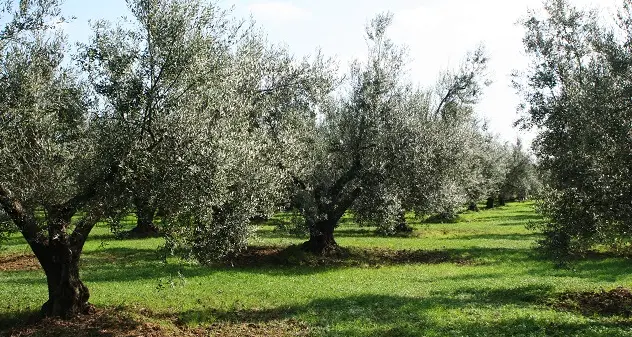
67	295
51	310
490	203
143	231
403	228
473	207
321	245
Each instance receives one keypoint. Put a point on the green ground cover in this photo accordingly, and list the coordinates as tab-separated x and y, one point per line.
489	282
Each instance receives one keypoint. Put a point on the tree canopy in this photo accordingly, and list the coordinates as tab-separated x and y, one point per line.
185	111
382	146
577	92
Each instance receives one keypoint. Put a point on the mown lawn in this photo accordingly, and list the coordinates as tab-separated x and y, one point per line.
493	284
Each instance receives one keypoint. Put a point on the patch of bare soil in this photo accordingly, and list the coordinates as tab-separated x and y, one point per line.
615	302
19	262
112	322
102	323
367	257
272	329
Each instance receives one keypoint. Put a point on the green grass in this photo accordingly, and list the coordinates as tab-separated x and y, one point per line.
503	292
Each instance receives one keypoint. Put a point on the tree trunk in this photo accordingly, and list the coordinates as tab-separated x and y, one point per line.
145	212
67	295
59	252
490	203
501	200
59	257
321	238
473	207
402	226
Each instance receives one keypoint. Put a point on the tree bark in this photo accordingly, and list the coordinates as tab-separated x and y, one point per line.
58	253
501	200
59	257
67	295
402	226
490	203
473	207
145	212
321	238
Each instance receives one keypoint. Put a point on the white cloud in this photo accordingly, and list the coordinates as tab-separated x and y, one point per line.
439	36
278	11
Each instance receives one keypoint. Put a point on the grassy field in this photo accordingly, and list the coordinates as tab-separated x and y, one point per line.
488	281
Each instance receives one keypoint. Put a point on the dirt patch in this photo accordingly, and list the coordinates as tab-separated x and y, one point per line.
113	322
104	322
367	257
615	302
19	262
272	329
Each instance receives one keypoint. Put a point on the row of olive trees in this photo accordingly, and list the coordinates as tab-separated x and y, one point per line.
182	109
381	146
188	111
577	92
504	173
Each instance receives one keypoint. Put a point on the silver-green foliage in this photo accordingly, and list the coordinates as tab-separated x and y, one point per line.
381	146
46	152
488	167
577	91
203	109
182	103
522	179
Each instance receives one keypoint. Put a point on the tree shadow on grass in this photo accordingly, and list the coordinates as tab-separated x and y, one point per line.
512	236
137	264
128	264
131	264
383	315
595	269
515	219
12	319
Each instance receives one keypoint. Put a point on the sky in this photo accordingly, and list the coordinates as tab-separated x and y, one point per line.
437	33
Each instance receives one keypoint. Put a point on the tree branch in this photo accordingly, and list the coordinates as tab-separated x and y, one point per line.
82	230
22	217
75	203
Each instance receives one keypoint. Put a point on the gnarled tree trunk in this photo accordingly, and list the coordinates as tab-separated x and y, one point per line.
321	237
59	251
59	257
145	211
67	295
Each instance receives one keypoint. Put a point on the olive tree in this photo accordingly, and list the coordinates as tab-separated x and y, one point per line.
487	169
213	109
162	111
577	91
521	179
150	74
381	145
277	95
145	70
48	155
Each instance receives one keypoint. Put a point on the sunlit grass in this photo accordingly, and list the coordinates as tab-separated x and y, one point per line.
503	292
